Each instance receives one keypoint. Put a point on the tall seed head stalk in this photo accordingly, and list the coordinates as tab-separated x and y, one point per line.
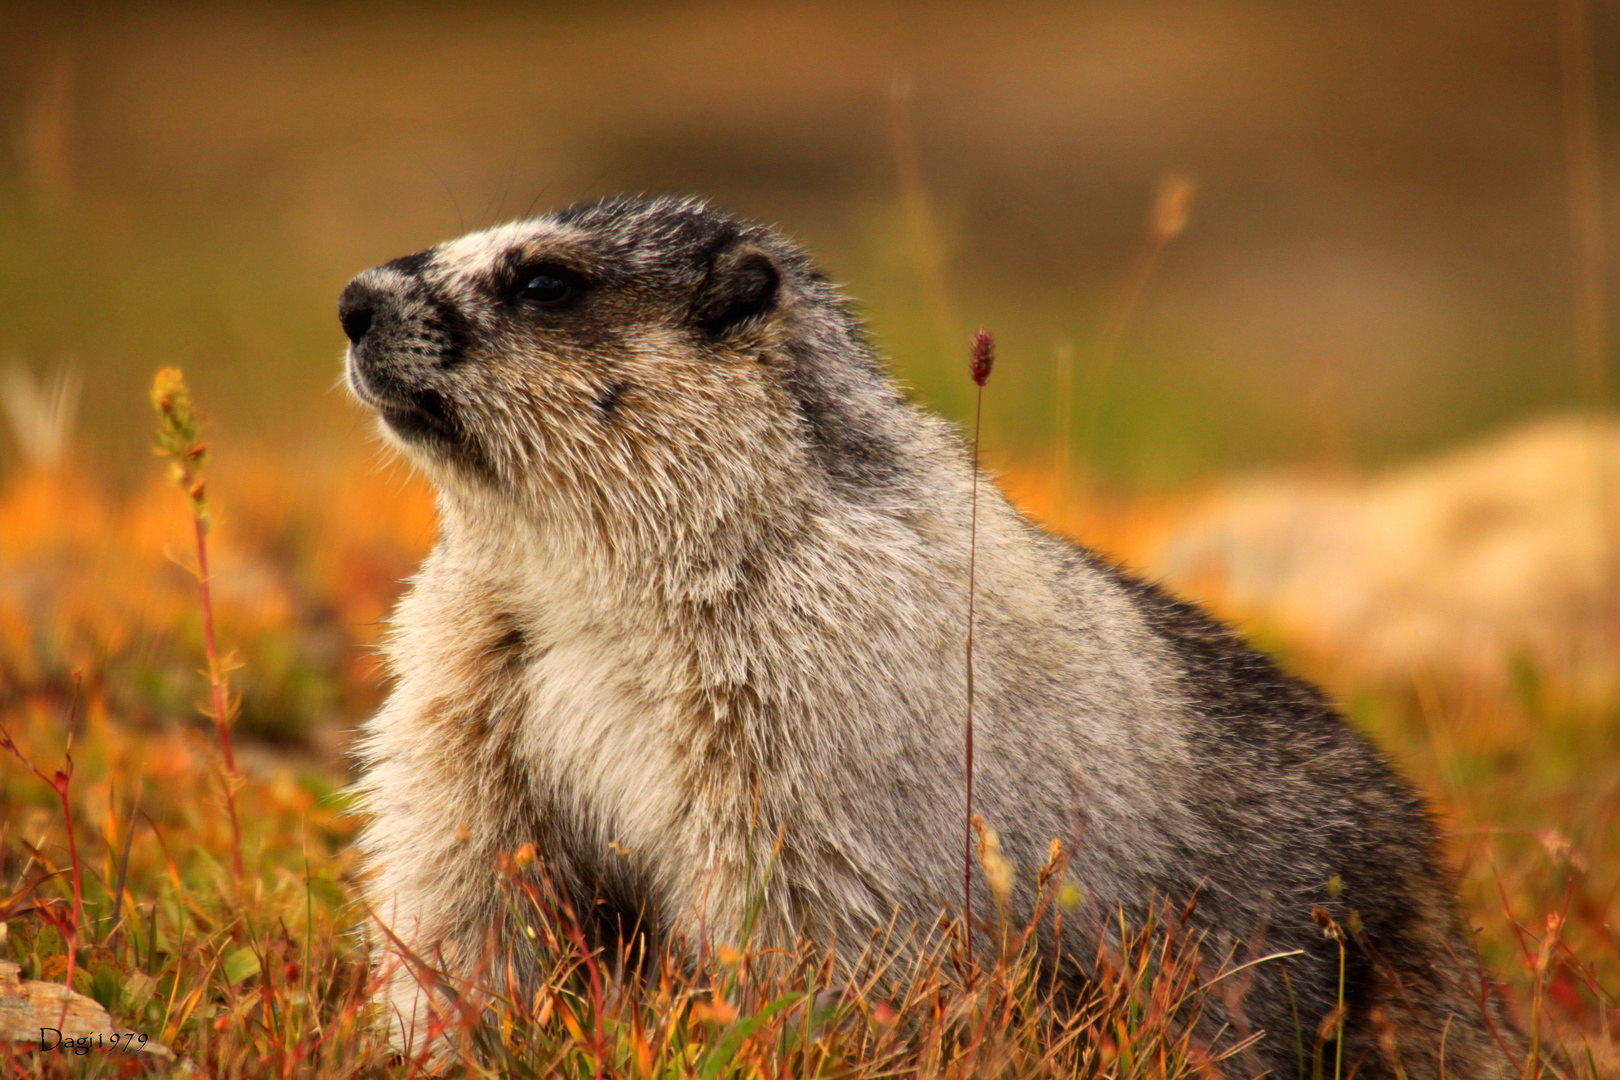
1172	211
179	438
983	358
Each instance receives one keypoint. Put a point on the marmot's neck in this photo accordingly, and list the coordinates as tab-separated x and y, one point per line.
903	499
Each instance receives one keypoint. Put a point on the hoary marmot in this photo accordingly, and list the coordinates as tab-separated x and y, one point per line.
702	583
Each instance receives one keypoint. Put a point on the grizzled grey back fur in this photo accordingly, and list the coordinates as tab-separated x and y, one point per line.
697	550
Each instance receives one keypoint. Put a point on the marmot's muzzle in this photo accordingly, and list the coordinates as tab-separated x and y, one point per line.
393	354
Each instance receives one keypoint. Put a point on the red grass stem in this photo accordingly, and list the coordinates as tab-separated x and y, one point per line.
983	359
216	684
58	782
180	440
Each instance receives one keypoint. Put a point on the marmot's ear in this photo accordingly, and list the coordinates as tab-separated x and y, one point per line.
742	282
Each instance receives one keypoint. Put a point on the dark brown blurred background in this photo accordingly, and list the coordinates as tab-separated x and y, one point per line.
1378	260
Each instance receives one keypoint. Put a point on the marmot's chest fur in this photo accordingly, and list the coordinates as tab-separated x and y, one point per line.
702	584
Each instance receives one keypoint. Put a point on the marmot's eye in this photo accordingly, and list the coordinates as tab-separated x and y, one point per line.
547	285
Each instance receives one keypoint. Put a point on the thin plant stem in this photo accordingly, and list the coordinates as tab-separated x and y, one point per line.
59	783
216	685
1170	213
973	559
179	440
983	359
1585	197
1590	277
1338	1040
309	929
1065	422
123	870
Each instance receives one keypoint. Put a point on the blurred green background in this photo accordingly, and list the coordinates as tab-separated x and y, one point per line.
1378	259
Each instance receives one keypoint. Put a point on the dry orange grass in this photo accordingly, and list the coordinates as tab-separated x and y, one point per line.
269	977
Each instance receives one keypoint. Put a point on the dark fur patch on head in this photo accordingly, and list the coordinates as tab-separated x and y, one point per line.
741	284
854	447
410	264
668	241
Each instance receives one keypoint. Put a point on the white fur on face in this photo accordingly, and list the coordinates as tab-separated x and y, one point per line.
459	261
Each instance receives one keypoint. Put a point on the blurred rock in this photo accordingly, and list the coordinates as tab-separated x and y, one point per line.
1469	564
32	1011
28	1005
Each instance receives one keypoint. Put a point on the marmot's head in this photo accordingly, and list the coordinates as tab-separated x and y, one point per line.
631	363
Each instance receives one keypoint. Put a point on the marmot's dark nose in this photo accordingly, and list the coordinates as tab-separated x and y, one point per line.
355	309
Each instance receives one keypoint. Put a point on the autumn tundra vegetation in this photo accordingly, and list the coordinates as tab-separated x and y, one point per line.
177	840
1377	317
